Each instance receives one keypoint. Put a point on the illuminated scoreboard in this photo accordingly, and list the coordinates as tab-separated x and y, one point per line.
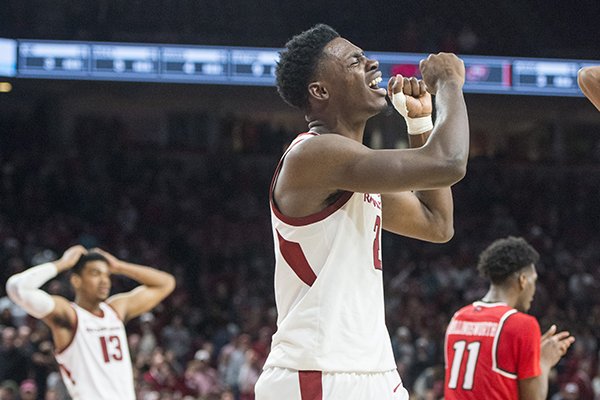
540	75
124	61
256	66
194	64
53	59
252	65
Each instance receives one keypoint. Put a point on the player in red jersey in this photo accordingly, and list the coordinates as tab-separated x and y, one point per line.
588	79
494	350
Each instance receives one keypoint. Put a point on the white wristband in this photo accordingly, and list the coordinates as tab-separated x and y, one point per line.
416	126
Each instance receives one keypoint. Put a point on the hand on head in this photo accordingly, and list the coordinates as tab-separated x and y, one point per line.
113	261
71	256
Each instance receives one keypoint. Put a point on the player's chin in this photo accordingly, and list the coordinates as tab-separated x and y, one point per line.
380	105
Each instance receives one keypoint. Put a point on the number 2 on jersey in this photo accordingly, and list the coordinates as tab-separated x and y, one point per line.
459	351
376	250
115	343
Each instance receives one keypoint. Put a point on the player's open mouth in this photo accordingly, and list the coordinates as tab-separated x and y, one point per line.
373	84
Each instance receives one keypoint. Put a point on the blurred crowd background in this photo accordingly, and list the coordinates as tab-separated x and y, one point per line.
205	219
177	178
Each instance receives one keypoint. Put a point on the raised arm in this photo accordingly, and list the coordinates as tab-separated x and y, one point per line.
423	214
55	311
156	285
588	79
334	162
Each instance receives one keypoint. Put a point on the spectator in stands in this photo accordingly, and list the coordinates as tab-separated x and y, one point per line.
14	363
8	390
176	337
200	377
248	376
231	359
28	390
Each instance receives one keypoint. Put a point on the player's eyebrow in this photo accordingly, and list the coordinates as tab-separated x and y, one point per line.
357	53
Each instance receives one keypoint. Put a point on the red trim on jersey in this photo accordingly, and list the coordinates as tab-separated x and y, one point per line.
527	330
58	352
292	253
67	372
100	315
311	386
495	365
312	218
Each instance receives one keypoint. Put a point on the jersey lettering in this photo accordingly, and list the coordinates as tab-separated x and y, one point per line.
115	348
459	351
376	249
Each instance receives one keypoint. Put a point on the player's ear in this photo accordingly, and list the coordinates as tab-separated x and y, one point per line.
318	91
522	280
75	280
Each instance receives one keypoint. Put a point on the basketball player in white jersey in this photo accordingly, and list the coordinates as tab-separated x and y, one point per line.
89	334
588	79
330	198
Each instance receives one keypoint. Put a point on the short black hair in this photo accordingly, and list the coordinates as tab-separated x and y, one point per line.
505	256
84	259
298	61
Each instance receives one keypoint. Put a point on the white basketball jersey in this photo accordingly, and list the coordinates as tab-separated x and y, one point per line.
329	287
96	365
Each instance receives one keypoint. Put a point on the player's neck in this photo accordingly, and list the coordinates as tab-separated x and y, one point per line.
499	295
345	127
91	306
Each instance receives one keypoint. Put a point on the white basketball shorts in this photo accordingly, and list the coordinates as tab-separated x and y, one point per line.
282	383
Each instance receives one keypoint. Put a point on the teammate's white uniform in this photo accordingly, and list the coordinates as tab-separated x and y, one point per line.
331	342
96	365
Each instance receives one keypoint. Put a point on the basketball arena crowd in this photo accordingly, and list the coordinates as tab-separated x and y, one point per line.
201	215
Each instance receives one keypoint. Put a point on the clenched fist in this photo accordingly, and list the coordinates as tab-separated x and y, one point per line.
442	68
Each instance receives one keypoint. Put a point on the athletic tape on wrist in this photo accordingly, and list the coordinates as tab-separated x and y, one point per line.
416	126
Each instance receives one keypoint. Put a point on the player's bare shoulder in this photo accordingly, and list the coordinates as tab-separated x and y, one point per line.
321	164
316	157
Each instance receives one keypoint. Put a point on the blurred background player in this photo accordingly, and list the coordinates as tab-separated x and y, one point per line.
89	334
493	349
330	198
588	79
